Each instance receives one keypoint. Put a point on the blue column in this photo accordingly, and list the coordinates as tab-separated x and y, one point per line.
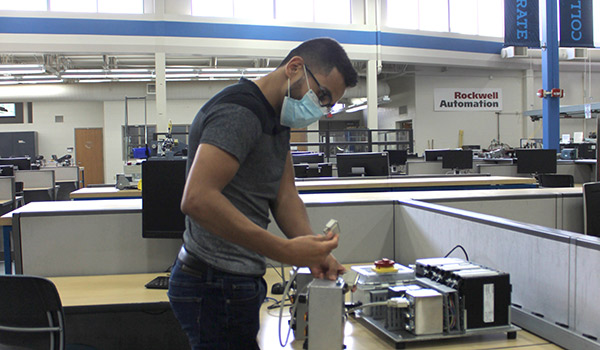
550	75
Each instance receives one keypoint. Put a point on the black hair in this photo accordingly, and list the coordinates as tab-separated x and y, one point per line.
322	55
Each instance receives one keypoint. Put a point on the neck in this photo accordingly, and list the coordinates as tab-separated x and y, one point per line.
271	86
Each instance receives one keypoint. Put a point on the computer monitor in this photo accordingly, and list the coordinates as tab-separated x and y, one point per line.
313	170
363	164
432	155
310	158
536	161
162	188
22	163
7	170
591	208
457	159
397	156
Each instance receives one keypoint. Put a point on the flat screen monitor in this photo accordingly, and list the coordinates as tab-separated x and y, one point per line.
397	156
22	163
162	188
313	170
432	155
457	159
591	208
310	158
536	161
363	164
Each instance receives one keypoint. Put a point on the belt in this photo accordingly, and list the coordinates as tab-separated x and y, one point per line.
191	262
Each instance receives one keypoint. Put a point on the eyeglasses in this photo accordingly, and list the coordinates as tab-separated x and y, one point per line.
324	94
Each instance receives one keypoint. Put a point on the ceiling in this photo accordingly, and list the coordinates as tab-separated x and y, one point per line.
85	68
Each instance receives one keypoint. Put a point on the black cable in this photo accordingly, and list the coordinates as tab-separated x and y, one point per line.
462	248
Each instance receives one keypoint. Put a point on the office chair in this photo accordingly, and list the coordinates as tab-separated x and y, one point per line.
555	180
31	315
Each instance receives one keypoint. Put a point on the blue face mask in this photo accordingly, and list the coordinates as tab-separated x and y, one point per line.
299	114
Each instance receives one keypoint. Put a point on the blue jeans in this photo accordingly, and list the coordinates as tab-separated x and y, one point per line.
217	310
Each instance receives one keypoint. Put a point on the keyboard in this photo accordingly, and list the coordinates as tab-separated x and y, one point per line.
160	282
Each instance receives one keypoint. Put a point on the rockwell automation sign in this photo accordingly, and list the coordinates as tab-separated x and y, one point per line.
467	100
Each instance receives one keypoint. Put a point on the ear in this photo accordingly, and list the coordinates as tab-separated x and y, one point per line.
294	67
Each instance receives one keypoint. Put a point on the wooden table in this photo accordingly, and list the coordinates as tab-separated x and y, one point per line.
104	193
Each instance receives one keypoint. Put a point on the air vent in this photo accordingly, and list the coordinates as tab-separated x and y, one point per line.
150	89
59	118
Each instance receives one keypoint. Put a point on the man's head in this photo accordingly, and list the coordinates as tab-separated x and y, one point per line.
328	70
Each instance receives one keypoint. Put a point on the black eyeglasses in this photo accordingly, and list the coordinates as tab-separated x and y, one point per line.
324	95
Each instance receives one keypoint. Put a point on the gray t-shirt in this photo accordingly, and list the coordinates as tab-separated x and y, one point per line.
240	121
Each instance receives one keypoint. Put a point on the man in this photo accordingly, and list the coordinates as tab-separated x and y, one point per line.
239	168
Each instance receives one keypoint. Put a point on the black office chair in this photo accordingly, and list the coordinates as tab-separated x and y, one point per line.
31	315
555	180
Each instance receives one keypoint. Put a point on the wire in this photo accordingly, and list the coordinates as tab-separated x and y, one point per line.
286	291
462	248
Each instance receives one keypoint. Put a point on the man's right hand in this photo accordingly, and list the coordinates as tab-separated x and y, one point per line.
310	250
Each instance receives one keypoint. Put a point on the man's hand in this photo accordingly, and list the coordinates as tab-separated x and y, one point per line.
329	269
310	251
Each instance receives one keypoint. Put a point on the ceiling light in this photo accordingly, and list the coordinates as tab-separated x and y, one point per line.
356	108
53	81
21	69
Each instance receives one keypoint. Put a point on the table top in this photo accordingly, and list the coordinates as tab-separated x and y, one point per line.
104	192
73	206
108	290
111	290
365	183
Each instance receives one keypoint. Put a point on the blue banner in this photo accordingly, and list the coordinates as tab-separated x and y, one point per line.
522	23
576	23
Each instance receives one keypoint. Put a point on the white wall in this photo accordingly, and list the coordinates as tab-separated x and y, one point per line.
55	138
479	127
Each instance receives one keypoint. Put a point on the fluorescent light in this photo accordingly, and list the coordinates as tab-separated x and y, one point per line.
54	81
353	109
220	70
95	81
21	69
39	77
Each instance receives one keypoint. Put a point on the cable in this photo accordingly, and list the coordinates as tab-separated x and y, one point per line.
286	291
462	248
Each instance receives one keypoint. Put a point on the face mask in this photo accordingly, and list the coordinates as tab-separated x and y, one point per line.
299	114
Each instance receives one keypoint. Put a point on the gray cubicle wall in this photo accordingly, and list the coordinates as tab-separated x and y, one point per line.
88	243
367	229
67	179
552	276
38	185
558	210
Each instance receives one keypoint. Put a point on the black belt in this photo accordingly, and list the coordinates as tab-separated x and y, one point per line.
191	262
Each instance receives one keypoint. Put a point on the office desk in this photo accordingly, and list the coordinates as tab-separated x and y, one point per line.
415	184
87	298
104	193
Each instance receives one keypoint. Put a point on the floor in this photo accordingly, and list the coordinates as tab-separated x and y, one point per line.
357	337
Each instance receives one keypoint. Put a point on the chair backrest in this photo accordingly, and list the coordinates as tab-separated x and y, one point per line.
31	314
556	180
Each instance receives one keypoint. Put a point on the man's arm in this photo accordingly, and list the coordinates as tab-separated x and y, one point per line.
290	213
211	170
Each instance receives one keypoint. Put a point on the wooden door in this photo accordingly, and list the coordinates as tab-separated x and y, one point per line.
89	153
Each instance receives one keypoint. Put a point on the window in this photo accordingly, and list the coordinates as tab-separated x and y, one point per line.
212	8
73	5
333	11
121	6
294	10
24	5
255	9
463	16
403	14
491	18
433	15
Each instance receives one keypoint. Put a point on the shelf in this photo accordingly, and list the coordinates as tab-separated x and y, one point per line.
566	110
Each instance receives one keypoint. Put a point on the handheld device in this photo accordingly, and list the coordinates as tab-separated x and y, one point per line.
333	226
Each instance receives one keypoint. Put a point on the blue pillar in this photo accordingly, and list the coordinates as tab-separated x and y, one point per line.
550	75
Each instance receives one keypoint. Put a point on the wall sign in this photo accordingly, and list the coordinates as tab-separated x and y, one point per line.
467	100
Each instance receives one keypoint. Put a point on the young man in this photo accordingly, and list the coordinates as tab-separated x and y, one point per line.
239	168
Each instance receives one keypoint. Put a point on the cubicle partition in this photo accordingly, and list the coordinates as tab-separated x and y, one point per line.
38	185
87	238
67	180
553	272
